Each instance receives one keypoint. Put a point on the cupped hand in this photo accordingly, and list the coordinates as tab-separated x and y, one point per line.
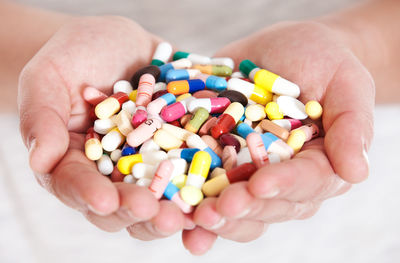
93	51
316	58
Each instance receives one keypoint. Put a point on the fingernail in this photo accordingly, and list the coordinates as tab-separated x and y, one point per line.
189	224
243	213
31	145
157	230
273	192
126	214
93	210
219	224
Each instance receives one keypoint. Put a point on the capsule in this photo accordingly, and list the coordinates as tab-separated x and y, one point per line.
194	58
162	54
178	132
228	139
216	70
139	117
112	140
93	147
167	141
273	111
251	91
126	163
183	63
248	68
149	146
275	145
129	107
225	61
257	149
144	132
186	153
234	96
181	74
301	135
229	158
212	105
122	86
243	129
216	185
153	70
227	121
105	165
270	81
197	175
176	110
269	126
161	178
200	116
141	170
156	105
194	141
288	124
255	113
111	105
172	193
213	82
185	86
292	107
123	121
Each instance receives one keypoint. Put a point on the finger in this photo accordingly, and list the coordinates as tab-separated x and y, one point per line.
198	241
43	106
137	204
237	203
239	230
308	176
77	183
348	121
168	221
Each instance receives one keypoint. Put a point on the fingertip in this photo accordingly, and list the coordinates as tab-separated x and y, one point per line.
169	220
198	241
234	201
103	201
206	215
263	185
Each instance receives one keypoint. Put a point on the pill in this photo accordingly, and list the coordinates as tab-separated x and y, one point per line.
129	179
129	106
198	172
184	86
217	171
234	96
175	110
244	129
225	61
241	140
126	163
216	185
178	64
144	132
167	141
115	155
112	140
128	150
172	193
198	118
251	91
212	105
159	86
255	112
238	74
288	124
132	95
313	109
205	128
105	165
272	82
229	158
303	134
181	74
194	58
149	146
141	170
139	117
93	147
122	86
116	175
228	139
111	105
213	144
213	82
257	149
153	70
205	94
180	167
145	182
269	126
275	145
243	156
93	95
123	122
273	111
292	107
248	69
195	141
162	54
156	105
158	94
183	96
161	178
186	153
217	70
179	180
178	132
227	121
185	119
145	89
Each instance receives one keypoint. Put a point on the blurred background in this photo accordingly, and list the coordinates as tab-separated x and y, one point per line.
361	226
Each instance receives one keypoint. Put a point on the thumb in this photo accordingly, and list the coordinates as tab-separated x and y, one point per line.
43	104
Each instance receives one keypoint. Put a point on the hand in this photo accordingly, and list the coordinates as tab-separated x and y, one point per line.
313	56
96	52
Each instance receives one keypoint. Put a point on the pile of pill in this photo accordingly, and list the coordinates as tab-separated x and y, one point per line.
188	128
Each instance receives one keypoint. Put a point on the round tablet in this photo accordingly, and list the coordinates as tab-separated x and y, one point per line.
191	195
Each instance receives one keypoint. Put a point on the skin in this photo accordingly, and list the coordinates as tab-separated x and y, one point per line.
322	56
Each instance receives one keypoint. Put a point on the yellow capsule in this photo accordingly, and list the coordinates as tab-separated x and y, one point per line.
126	163
296	140
200	165
93	149
167	141
183	96
260	95
313	109
216	185
179	180
255	112
132	95
276	84
273	112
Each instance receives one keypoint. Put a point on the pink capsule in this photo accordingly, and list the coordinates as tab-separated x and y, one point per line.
145	89
139	117
229	158
161	178
212	105
257	149
176	110
144	132
288	124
